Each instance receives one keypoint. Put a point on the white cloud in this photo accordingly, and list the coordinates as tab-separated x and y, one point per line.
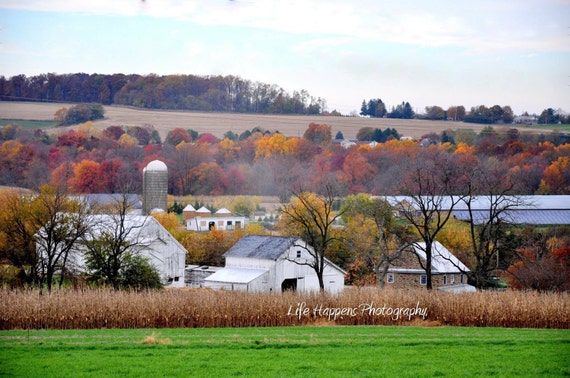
486	25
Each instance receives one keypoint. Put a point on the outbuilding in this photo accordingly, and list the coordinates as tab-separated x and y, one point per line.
448	272
262	263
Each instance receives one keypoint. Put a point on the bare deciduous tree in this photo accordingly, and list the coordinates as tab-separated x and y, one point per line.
430	185
488	202
311	217
113	240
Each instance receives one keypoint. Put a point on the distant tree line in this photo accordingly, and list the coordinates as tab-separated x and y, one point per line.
496	114
180	92
375	108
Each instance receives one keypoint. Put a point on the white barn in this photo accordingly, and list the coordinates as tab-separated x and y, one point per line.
273	264
152	241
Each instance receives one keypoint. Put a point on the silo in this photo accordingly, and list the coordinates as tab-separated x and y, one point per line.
155	186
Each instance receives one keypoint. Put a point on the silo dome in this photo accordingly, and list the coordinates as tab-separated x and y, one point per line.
156	165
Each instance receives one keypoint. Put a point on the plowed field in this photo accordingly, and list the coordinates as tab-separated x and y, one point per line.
220	123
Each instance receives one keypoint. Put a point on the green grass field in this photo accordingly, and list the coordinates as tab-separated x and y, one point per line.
27	124
561	128
286	352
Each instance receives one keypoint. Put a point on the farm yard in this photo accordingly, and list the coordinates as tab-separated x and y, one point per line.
219	123
201	332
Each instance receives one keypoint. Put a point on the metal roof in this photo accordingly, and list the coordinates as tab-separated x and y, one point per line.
236	275
443	261
534	202
112	199
515	216
539	209
261	247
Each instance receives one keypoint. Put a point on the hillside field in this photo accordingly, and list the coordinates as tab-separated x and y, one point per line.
219	123
286	352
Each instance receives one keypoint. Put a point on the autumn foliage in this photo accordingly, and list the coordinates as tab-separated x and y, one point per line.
258	162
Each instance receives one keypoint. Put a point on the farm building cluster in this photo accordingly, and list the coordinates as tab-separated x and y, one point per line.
276	263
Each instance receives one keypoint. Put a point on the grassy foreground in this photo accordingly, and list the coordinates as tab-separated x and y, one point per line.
337	351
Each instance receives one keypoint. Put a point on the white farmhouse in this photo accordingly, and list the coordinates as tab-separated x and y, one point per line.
273	264
203	220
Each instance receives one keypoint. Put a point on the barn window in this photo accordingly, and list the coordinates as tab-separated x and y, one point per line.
423	279
390	278
452	279
298	254
461	278
444	280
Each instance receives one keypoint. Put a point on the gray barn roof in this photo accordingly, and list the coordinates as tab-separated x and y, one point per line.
533	209
261	247
537	217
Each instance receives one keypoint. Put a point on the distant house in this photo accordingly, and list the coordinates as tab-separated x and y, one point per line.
203	220
526	120
151	241
272	264
347	143
448	273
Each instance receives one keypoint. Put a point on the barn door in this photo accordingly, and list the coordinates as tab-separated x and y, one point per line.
289	284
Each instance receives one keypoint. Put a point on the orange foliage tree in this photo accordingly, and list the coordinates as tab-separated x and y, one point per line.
86	177
556	177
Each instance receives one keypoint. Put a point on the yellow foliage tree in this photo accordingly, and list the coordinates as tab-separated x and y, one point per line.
127	141
169	221
276	144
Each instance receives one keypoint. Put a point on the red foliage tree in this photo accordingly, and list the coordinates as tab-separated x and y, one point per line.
178	135
541	271
110	175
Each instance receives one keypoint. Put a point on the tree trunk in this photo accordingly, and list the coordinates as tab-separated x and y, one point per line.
428	266
321	282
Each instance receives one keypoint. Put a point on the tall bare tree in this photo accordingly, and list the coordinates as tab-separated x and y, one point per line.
431	187
114	240
311	217
488	202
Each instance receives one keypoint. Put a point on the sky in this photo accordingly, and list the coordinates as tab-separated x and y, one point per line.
438	52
